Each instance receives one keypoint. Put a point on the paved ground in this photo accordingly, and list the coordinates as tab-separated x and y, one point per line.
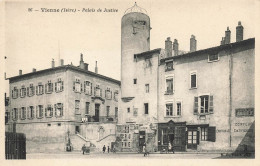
73	155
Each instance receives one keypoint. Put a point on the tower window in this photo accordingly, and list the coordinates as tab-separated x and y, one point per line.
146	109
135	81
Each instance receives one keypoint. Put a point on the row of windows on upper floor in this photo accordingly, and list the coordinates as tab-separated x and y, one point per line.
29	112
59	87
202	105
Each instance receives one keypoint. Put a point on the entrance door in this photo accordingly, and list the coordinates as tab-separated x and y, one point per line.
192	139
77	129
179	138
141	140
97	106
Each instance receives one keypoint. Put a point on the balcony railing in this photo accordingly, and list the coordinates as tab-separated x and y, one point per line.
101	119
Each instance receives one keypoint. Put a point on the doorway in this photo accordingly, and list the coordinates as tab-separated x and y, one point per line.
192	139
77	131
97	107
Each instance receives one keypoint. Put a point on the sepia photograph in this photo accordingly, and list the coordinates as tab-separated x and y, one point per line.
144	79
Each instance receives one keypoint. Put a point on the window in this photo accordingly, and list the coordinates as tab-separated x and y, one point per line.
98	91
59	85
146	109
169	85
193	80
116	112
108	93
39	111
15	114
39	89
108	110
178	108
204	133
48	124
30	113
87	108
135	81
135	112
23	92
49	111
169	66
58	109
213	57
49	87
147	88
23	113
169	109
77	87
15	93
203	104
148	62
128	109
88	88
77	104
116	95
59	124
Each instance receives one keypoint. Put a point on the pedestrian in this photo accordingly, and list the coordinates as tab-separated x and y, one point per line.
104	149
169	147
83	149
108	149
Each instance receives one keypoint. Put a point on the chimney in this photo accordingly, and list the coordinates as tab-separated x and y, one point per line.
81	62
85	66
193	44
168	47
52	63
33	70
227	36
176	47
61	62
96	68
20	72
222	42
239	32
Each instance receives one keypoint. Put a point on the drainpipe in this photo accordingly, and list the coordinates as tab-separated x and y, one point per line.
230	94
158	95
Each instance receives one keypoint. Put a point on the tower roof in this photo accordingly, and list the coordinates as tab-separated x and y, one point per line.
135	9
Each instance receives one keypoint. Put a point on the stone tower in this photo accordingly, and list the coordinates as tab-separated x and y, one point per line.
135	38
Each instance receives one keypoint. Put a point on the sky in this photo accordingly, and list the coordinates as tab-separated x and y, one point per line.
32	39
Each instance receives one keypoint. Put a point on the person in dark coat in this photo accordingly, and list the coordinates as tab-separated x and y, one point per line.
108	149
104	149
84	148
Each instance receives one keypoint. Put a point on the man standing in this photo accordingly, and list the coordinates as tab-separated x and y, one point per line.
83	149
108	149
104	149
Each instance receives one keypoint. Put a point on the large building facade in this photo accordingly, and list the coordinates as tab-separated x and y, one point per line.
199	100
64	105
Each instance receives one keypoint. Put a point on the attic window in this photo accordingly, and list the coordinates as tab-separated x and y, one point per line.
213	57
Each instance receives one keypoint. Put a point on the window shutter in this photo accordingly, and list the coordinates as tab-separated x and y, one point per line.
28	113
212	134
41	111
19	92
61	85
37	90
16	114
74	86
45	88
211	106
81	88
33	90
20	113
85	86
100	92
45	111
51	114
94	91
12	93
196	105
32	112
37	111
55	86
25	113
198	137
90	88
51	87
55	108
61	113
27	91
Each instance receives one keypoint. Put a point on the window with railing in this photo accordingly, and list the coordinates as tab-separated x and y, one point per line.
98	91
88	88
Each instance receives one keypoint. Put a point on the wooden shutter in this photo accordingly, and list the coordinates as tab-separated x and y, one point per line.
85	86
37	111
100	92
41	111
37	90
28	113
198	137
33	90
46	88
51	87
32	112
81	88
90	88
46	111
55	86
211	108
212	134
51	114
74	86
12	93
61	85
25	113
61	113
27	91
196	106
94	91
55	108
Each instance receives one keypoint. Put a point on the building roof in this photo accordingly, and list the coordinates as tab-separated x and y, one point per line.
146	53
135	9
216	49
65	67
